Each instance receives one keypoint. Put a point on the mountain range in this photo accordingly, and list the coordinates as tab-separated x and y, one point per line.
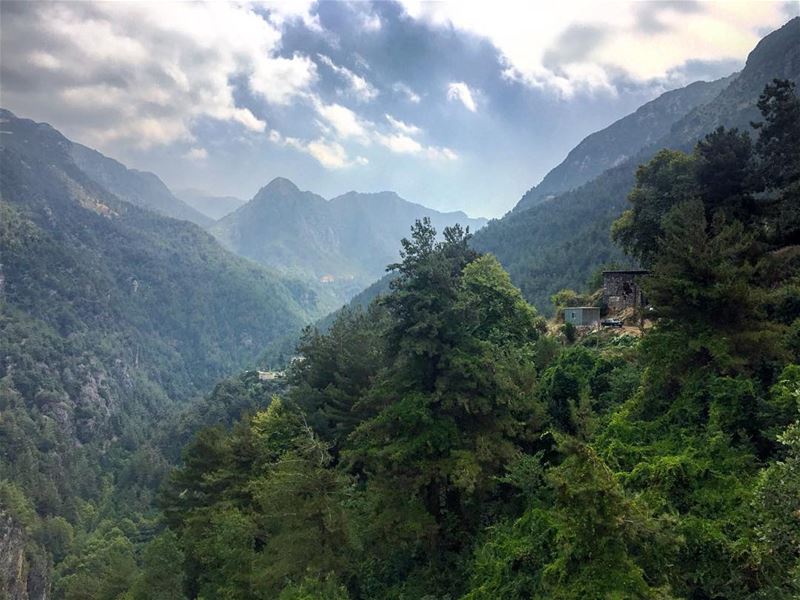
140	188
214	207
558	234
118	307
345	242
623	139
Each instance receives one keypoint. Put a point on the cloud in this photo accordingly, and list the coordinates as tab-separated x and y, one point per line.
648	15
339	125
403	89
346	123
541	46
573	45
402	126
359	87
146	73
281	12
458	90
197	153
330	154
369	21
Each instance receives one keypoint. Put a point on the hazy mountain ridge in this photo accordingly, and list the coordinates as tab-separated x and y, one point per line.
347	240
560	242
776	56
214	207
623	139
141	188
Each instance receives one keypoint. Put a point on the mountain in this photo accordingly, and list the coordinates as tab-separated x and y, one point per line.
214	207
777	56
112	317
562	241
141	188
345	242
624	138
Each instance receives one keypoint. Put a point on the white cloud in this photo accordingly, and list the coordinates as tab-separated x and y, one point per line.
402	126
359	87
346	123
280	79
441	153
639	40
196	153
403	89
145	73
400	143
369	21
282	11
339	125
330	154
458	90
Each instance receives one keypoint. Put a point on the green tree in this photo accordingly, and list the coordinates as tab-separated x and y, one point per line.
457	398
336	370
777	147
705	295
725	181
161	576
666	181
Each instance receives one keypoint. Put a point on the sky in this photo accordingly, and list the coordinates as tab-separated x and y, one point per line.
455	105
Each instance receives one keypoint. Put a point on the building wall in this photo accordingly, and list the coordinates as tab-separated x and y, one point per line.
621	291
582	317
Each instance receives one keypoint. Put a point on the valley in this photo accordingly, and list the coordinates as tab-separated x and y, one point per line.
359	396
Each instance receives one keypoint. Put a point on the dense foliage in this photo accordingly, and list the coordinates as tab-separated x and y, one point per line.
442	440
111	319
441	444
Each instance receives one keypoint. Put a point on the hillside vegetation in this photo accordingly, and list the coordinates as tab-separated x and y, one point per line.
441	444
111	317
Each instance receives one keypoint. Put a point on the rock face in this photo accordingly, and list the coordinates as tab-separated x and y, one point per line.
23	570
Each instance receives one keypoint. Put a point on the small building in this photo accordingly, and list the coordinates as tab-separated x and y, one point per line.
582	316
270	375
622	289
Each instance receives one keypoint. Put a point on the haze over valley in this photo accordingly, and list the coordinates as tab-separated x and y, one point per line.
366	300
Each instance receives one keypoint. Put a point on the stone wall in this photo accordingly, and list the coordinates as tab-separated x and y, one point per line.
621	290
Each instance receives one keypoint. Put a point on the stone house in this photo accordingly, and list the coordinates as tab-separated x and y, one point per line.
622	289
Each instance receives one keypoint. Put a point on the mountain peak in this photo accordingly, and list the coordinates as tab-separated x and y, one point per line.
280	186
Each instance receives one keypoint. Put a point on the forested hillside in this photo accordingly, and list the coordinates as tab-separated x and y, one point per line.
345	242
621	140
137	187
561	242
171	428
446	443
111	317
